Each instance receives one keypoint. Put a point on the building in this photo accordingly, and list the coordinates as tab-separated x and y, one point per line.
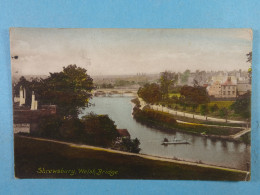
228	89
26	118
243	87
123	133
215	90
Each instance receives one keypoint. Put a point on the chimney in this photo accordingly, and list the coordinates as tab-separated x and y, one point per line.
22	96
34	103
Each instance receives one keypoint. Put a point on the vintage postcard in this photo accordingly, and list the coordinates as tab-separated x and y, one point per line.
171	104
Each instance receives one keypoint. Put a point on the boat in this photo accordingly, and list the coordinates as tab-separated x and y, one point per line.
175	141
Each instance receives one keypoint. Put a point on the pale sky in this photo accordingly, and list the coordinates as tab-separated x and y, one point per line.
129	51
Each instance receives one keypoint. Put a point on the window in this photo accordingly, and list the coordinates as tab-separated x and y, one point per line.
228	92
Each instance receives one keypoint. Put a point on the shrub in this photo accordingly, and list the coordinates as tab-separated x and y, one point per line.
71	129
213	108
130	145
99	129
49	126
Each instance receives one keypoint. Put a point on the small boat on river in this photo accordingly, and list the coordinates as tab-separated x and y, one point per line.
175	141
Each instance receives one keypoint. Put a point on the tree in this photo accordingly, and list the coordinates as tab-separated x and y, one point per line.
200	77
249	59
166	80
204	110
213	108
194	96
69	90
223	112
185	76
131	145
150	93
99	129
242	105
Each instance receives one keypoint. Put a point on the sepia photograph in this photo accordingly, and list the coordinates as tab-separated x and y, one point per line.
160	104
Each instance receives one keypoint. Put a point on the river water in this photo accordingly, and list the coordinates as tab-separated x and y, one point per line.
201	149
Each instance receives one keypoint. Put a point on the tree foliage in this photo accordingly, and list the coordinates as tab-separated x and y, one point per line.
69	90
204	109
193	96
150	93
99	129
92	129
130	145
213	108
167	80
223	113
185	76
242	105
249	59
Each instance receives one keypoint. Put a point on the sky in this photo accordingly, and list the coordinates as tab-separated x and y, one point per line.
128	51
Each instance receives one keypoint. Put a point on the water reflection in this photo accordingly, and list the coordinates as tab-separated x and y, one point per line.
211	151
224	144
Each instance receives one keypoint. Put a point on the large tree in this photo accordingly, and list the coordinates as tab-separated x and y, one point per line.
193	96
69	90
150	93
167	79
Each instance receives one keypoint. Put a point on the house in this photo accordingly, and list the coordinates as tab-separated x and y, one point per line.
123	133
228	89
215	90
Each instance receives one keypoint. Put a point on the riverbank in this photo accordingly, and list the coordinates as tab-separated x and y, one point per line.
193	116
43	158
166	122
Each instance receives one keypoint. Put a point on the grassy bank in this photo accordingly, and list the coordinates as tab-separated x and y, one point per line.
193	120
220	105
45	157
166	122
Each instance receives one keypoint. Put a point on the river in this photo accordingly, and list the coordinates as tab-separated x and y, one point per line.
201	149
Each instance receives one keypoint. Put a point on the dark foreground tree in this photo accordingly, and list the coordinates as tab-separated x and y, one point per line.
99	130
69	90
130	145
